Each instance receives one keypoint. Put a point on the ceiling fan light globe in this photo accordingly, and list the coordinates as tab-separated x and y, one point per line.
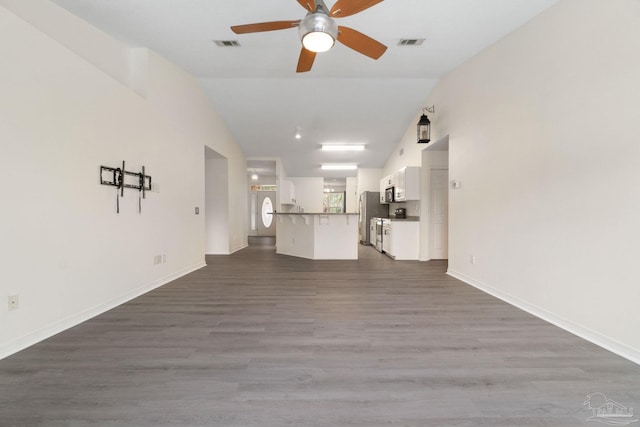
318	32
318	41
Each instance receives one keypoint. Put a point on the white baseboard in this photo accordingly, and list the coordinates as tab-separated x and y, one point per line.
233	250
239	248
58	326
614	346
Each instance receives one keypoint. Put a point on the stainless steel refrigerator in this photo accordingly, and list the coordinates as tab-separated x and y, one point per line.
369	207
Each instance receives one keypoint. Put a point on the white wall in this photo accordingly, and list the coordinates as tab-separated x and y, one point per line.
369	180
351	194
409	148
544	135
64	249
309	193
216	204
121	62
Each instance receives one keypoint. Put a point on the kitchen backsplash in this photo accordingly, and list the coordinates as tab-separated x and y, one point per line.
412	207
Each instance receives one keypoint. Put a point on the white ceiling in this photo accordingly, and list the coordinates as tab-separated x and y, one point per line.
346	97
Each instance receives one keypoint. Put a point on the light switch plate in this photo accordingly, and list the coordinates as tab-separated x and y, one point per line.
197	210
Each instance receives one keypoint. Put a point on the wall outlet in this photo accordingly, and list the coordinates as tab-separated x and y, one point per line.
13	302
472	259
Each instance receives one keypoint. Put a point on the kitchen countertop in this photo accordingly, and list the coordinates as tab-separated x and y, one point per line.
408	218
313	213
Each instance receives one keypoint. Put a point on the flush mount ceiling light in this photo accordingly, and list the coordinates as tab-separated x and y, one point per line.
339	167
342	147
254	177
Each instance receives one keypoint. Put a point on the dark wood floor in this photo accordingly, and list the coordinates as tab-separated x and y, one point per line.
259	339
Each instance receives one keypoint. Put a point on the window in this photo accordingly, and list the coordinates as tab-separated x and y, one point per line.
334	203
267	210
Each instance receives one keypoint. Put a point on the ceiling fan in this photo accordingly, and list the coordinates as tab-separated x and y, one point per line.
319	31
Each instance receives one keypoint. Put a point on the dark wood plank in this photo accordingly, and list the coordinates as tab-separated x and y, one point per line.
259	339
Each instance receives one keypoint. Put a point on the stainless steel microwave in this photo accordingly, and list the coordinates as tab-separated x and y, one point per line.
389	195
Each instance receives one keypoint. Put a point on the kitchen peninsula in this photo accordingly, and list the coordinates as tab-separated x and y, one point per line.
317	235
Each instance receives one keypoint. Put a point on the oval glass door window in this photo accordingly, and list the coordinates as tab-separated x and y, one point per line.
267	210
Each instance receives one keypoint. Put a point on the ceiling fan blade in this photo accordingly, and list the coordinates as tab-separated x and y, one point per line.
344	8
264	26
305	62
360	42
310	5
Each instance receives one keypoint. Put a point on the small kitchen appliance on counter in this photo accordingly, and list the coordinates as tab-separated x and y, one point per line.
401	213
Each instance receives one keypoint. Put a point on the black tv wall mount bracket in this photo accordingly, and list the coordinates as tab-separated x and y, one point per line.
121	179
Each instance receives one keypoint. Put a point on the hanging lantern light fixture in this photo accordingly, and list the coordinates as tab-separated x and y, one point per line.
424	125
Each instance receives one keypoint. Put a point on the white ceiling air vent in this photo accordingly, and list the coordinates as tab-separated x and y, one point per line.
410	42
227	43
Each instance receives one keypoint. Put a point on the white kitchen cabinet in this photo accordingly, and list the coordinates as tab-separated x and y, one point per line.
287	192
372	231
386	237
407	184
401	240
400	182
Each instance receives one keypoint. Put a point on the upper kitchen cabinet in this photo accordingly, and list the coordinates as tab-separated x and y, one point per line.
407	184
287	192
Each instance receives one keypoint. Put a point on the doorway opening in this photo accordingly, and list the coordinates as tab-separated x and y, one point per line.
265	242
262	179
216	211
334	197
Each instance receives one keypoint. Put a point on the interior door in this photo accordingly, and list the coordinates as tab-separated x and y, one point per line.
265	206
439	201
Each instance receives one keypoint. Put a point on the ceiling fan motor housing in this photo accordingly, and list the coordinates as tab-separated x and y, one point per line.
318	32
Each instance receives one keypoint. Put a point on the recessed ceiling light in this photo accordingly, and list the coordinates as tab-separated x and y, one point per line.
339	167
342	147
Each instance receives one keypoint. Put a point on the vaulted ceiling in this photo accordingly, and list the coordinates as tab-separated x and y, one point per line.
346	97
